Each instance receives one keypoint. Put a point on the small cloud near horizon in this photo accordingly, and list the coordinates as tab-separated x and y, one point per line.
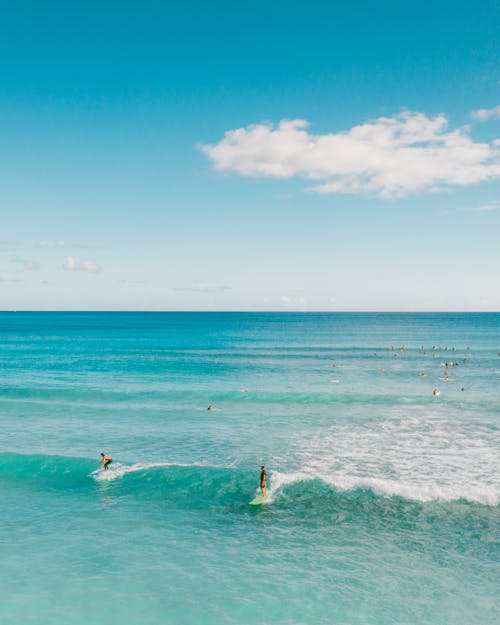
53	244
484	208
203	288
58	245
293	302
87	266
132	281
7	246
10	280
27	265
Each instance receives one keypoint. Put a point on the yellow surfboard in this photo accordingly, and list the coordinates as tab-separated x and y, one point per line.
258	500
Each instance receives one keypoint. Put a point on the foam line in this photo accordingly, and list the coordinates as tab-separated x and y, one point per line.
388	488
118	470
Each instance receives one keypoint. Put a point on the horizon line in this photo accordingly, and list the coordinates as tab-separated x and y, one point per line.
237	311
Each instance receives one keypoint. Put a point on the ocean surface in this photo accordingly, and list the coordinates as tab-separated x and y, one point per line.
384	499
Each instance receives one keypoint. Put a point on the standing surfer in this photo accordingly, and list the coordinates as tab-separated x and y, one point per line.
106	461
263	480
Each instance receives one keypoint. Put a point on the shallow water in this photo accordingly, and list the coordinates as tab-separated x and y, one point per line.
384	500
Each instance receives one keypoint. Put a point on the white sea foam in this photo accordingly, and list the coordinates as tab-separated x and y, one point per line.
389	488
118	470
423	457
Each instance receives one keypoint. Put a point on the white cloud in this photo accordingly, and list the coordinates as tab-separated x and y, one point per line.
490	206
387	157
10	280
27	265
5	246
54	244
66	245
293	302
203	288
486	302
89	266
124	281
484	115
70	264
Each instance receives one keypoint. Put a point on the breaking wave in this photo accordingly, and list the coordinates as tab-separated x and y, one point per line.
197	482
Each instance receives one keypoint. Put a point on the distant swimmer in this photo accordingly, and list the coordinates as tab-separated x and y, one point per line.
263	480
210	407
436	393
423	375
106	461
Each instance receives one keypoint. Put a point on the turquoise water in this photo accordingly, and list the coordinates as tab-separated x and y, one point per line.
384	499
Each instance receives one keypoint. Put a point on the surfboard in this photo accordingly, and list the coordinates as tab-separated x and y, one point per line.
258	500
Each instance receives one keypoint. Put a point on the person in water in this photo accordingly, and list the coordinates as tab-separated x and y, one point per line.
106	461
263	480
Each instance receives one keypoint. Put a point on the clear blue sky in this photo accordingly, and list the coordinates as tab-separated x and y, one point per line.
120	189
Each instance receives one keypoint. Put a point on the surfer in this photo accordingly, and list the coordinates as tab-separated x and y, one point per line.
263	480
106	461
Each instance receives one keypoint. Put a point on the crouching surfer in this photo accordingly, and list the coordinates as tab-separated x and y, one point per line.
106	461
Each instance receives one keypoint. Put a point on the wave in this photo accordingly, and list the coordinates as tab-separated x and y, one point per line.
188	483
118	470
280	483
167	399
387	488
202	484
47	470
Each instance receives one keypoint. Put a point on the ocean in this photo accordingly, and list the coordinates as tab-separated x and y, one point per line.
384	497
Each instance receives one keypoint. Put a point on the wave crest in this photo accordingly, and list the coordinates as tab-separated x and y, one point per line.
118	470
198	482
385	487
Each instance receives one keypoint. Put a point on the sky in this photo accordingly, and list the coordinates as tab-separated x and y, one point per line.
311	156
